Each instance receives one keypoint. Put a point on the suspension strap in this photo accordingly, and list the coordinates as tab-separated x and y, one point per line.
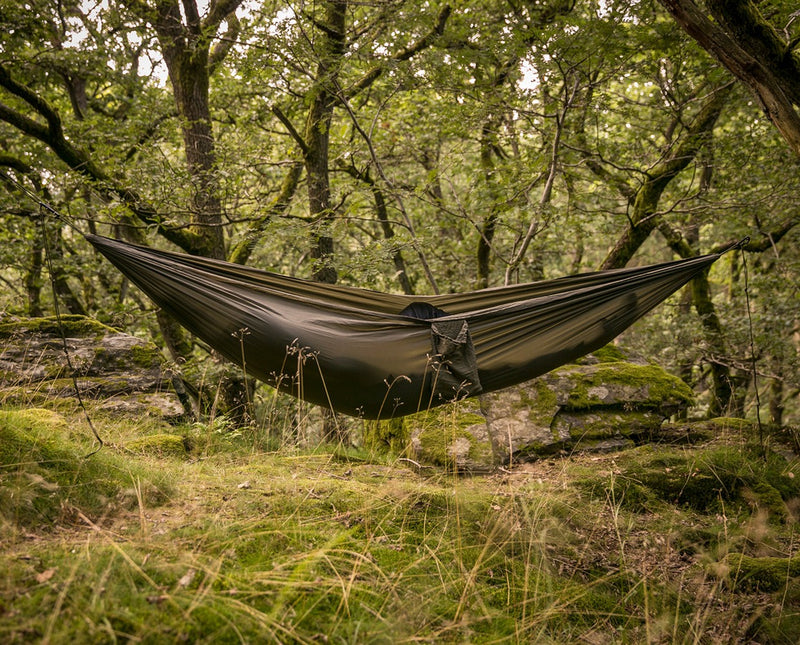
752	349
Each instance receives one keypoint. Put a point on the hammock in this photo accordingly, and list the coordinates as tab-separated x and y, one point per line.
377	355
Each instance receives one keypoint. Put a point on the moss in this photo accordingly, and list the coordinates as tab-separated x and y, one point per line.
763	574
161	445
42	416
602	425
47	477
73	326
543	407
441	429
609	354
658	386
389	436
24	396
146	356
707	482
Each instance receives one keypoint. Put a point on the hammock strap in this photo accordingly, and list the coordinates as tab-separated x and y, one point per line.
753	350
65	345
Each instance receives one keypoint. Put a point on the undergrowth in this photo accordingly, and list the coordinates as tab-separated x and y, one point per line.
198	534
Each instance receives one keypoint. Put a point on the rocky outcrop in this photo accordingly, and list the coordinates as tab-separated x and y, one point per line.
115	371
593	406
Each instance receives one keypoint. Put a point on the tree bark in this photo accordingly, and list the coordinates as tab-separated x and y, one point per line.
488	150
322	98
33	272
187	54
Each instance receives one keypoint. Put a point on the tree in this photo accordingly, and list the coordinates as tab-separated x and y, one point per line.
754	51
398	146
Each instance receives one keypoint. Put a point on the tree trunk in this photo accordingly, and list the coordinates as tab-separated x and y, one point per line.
317	137
63	291
489	144
33	272
753	51
186	51
722	385
331	48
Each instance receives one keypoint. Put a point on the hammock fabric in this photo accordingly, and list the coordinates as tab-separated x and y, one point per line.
376	355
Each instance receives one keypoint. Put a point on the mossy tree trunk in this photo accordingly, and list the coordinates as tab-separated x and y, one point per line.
185	40
722	384
33	272
322	100
644	219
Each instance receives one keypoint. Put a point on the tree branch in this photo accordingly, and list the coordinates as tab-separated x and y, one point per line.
405	54
741	58
224	44
645	202
243	249
79	160
298	139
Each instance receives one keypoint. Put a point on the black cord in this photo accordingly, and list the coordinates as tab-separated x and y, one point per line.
60	323
753	354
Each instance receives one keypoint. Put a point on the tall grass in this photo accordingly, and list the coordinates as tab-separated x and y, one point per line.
246	545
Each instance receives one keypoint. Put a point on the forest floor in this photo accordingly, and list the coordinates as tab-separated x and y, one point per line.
202	536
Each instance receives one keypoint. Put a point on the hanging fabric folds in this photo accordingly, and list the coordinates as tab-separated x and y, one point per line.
377	355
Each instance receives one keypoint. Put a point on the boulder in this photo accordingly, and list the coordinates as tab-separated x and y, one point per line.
594	406
116	371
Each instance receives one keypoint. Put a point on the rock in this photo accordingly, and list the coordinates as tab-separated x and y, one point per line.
117	371
746	573
455	437
597	406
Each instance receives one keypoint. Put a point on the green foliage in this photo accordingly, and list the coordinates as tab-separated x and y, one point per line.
467	134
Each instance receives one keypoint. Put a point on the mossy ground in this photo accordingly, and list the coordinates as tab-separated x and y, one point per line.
247	544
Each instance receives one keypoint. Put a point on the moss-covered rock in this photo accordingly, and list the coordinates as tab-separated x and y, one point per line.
390	436
619	384
601	405
118	371
718	479
454	437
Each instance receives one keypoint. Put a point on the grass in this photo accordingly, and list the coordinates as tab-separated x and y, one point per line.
201	535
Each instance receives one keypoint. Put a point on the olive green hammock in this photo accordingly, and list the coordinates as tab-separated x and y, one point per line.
377	355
